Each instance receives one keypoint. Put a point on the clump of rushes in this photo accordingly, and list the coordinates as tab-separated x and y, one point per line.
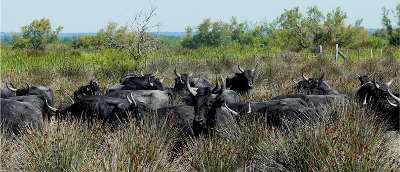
353	142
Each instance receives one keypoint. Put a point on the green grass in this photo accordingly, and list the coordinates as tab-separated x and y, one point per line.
354	142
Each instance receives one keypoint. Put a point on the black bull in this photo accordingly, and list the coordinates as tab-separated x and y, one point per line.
289	110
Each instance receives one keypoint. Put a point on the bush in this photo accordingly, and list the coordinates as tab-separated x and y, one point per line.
376	42
36	35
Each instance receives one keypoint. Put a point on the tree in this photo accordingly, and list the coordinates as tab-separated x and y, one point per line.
134	37
208	33
392	33
36	35
188	41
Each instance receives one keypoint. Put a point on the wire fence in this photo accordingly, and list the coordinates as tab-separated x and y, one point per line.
344	53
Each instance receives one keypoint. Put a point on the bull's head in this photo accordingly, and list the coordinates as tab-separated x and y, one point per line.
372	92
202	101
311	85
247	75
154	83
181	79
180	83
244	81
91	89
363	79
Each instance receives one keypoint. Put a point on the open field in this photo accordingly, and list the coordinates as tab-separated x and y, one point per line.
353	142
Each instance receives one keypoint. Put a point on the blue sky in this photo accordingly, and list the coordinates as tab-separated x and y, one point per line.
173	15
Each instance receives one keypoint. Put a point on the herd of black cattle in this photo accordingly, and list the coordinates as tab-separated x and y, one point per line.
204	105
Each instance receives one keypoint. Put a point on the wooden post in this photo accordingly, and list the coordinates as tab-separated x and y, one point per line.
371	53
381	52
358	54
320	49
337	52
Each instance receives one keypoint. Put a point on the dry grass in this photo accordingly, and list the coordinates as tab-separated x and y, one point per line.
353	142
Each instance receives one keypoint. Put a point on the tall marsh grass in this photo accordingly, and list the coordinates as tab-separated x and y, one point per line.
353	142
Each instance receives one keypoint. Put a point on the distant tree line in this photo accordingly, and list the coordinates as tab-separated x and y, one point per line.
291	30
294	30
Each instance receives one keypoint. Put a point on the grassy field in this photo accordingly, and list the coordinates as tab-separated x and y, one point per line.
354	142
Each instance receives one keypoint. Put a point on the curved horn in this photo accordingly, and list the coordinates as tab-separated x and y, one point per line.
393	96
322	76
192	91
365	99
150	83
358	75
221	90
295	81
391	103
240	69
177	74
190	75
304	77
51	108
216	83
257	64
230	110
249	111
129	100
11	88
72	100
133	99
389	83
222	83
162	80
376	84
27	85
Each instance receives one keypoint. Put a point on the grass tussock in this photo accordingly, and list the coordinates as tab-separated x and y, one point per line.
352	142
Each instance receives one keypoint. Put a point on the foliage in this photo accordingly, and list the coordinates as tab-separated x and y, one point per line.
292	29
88	42
392	33
215	34
376	42
36	35
298	31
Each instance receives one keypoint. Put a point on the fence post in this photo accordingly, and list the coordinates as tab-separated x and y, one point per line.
337	52
358	54
320	49
381	52
371	53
